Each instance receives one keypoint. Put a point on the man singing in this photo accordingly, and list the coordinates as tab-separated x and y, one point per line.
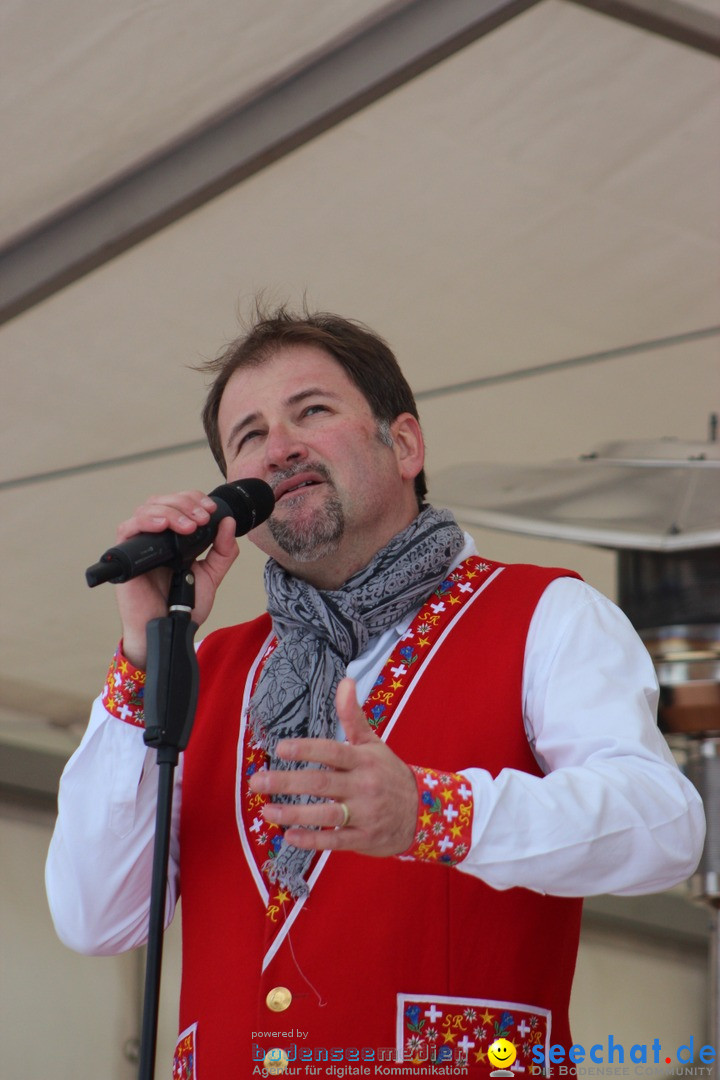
401	778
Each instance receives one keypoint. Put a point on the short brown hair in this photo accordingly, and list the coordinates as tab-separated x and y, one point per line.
365	357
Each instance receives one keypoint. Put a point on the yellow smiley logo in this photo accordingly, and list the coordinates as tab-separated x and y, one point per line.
502	1053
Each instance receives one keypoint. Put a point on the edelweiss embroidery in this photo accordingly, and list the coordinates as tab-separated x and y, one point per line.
124	690
184	1057
460	1030
444	817
393	682
402	666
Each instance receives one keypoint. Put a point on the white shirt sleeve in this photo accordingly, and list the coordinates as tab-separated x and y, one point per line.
614	813
99	865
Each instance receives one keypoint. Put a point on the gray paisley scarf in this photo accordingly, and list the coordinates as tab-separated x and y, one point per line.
320	632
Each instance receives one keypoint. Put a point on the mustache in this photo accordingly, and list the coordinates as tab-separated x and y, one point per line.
295	470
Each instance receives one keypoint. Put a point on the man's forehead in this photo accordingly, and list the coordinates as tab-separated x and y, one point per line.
283	380
285	372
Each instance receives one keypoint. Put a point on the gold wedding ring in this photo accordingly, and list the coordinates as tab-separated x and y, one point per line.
346	814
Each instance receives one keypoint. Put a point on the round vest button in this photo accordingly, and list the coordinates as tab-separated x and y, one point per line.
278	999
276	1062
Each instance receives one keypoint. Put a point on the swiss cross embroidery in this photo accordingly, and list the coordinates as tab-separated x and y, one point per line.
266	836
460	1030
184	1064
445	809
393	682
439	609
124	690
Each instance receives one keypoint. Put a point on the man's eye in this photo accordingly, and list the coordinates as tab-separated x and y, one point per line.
315	409
248	437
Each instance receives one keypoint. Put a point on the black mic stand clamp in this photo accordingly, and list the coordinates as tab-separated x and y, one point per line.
171	690
171	686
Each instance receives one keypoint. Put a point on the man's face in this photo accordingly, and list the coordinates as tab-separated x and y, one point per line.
298	422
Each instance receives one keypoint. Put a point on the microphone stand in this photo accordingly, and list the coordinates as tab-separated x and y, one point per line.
171	690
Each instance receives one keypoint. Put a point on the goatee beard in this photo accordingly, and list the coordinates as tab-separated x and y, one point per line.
314	537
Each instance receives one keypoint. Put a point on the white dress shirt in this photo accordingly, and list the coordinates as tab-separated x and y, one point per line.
612	814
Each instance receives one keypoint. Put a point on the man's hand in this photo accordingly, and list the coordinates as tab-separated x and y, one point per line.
145	597
377	788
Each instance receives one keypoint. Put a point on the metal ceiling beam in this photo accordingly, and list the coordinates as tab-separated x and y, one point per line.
384	56
669	18
664	917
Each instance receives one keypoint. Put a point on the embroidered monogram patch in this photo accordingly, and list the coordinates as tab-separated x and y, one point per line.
459	1031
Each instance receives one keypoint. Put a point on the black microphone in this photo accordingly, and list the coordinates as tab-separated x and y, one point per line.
250	502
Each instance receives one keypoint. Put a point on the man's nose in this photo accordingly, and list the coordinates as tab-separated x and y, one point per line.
283	447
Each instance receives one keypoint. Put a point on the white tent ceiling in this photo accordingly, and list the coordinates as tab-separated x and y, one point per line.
534	216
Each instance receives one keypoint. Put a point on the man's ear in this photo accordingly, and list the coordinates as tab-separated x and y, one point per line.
408	444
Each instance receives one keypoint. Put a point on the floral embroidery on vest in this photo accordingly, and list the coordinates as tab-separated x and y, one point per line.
455	1031
184	1058
445	810
124	690
397	675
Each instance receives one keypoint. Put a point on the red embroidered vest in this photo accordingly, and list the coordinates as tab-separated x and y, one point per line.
384	955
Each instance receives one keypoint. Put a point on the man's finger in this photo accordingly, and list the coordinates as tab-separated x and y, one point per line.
354	724
321	815
322	782
223	553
